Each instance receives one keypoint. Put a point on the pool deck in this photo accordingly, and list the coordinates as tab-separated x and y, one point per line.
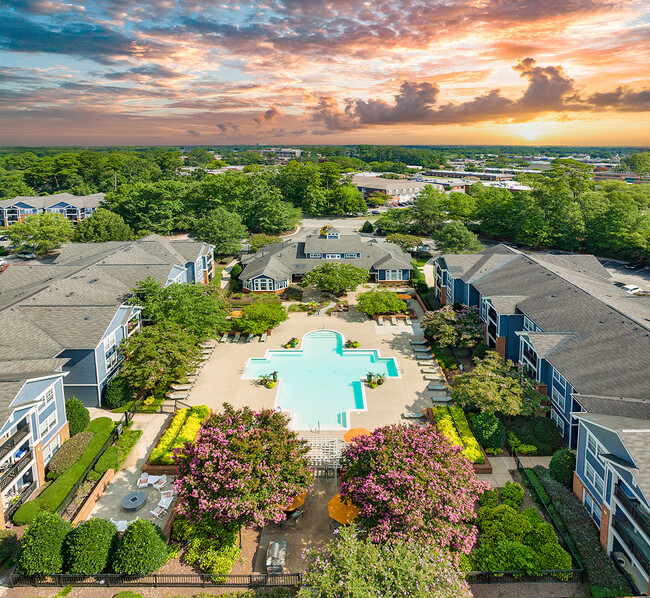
221	377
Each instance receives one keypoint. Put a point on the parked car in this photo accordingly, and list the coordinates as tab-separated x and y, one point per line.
631	288
4	238
375	212
619	284
634	266
26	255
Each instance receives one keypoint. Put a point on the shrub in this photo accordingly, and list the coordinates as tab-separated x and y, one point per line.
8	542
552	557
489	430
235	271
125	443
141	550
127	594
532	515
450	421
512	494
161	454
422	287
548	433
490	498
52	497
543	533
107	461
480	350
41	549
506	555
184	427
502	523
89	547
367	227
77	416
562	466
118	393
68	454
520	447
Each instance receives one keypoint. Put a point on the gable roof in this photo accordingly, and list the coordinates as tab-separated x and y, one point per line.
42	202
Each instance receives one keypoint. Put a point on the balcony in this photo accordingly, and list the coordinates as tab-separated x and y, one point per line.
492	329
13	441
10	474
631	505
634	541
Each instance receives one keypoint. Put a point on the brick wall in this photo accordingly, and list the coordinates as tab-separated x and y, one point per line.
578	487
604	526
89	504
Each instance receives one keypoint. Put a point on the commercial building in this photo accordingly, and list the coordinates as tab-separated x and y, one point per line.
400	191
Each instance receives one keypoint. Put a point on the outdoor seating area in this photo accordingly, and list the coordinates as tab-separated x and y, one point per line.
239	337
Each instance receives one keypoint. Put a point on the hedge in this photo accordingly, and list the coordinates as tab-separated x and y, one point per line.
562	466
125	443
512	494
41	549
445	419
89	547
532	435
77	415
599	567
141	550
68	454
52	497
118	393
183	428
489	431
8	543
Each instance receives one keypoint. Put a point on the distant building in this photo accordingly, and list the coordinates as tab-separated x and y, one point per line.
401	191
286	153
463	174
273	267
627	177
73	207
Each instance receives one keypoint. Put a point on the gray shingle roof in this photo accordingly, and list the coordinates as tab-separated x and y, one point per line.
47	201
618	406
546	343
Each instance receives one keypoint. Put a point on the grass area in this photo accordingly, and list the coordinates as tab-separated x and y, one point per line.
216	279
124	408
52	497
445	357
125	443
420	261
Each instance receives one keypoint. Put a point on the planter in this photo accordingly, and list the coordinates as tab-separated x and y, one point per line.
485	468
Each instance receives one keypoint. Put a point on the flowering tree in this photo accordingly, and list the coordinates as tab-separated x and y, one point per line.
356	568
244	467
411	483
497	385
448	327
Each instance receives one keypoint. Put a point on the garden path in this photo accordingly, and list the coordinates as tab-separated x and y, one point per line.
502	466
429	272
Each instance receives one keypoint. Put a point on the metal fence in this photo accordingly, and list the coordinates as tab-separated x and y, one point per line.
554	576
170	580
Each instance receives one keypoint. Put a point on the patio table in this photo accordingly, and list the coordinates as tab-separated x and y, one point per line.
134	501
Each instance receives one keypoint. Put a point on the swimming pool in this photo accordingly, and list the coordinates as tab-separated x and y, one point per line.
320	383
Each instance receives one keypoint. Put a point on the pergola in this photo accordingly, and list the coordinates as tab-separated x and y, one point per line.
325	453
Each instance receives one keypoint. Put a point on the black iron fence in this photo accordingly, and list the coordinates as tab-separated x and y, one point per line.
170	580
554	576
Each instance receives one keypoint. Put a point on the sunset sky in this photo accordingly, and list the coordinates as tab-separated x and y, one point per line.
119	72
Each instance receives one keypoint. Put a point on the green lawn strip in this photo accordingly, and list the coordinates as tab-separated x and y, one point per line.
51	498
125	444
124	408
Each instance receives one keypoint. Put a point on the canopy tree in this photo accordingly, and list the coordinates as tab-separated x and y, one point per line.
258	317
40	233
406	242
244	468
380	302
257	241
103	225
448	327
455	238
336	278
223	229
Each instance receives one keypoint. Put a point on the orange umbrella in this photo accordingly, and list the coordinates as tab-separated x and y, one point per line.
404	296
351	434
297	502
236	313
341	512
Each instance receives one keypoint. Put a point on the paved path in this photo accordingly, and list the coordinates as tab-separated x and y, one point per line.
429	272
225	274
502	466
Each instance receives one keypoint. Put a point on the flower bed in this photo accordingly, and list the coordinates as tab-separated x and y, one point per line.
183	428
451	421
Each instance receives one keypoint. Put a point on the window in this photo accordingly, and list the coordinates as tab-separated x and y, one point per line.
110	351
48	425
528	324
594	478
332	256
592	508
559	378
47	398
393	275
559	422
263	284
594	447
315	255
281	285
557	398
351	255
50	449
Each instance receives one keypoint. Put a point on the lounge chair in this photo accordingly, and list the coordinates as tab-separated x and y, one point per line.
204	357
380	321
263	338
177	396
420	342
249	338
422	350
120	525
434	371
435	377
224	338
237	337
143	482
436	386
408	321
177	386
160	482
158	512
166	502
416	415
393	320
207	345
206	351
167	493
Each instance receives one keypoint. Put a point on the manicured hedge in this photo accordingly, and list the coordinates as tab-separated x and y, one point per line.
118	392
52	497
599	567
77	415
531	435
183	428
125	443
89	547
562	466
68	454
41	549
489	431
445	418
141	550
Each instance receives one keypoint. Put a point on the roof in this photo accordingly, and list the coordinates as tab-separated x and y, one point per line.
546	343
290	257
42	202
615	406
376	182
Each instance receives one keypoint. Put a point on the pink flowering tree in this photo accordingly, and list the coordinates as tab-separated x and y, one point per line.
448	327
410	483
244	468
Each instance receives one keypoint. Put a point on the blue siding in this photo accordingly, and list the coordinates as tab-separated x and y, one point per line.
81	366
15	418
509	325
88	395
59	405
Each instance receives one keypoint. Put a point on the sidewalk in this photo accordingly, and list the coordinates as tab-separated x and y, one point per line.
502	466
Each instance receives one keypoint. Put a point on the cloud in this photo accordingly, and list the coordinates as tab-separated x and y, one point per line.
267	117
228	127
194	133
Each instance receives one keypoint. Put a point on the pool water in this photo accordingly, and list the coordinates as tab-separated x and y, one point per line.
321	382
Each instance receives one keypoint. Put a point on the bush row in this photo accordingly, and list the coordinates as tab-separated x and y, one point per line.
445	423
183	428
68	454
599	567
50	546
530	435
52	497
488	430
211	547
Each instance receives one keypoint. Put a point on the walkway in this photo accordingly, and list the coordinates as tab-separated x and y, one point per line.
502	466
429	272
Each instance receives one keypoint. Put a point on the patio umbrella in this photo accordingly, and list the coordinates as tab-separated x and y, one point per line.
404	296
354	432
341	512
297	502
236	313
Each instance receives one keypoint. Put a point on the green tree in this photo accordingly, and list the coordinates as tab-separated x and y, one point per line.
367	227
639	162
354	568
336	278
455	238
460	206
495	385
378	198
103	225
447	327
428	211
406	242
141	550
77	415
396	221
301	186
258	241
330	174
89	547
40	233
223	229
345	199
158	355
41	549
379	302
258	317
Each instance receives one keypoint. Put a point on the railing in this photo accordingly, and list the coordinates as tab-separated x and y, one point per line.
20	499
12	473
631	544
258	580
632	509
13	441
551	576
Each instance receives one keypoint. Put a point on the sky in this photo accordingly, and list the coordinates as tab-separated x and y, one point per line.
426	72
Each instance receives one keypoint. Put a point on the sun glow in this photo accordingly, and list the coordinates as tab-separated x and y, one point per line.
531	131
